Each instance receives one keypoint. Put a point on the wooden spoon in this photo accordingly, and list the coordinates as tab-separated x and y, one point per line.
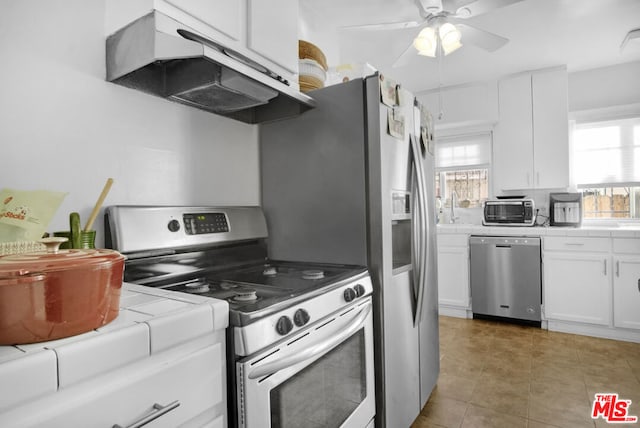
98	205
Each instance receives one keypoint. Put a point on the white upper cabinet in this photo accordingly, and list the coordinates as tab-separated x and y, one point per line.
513	135
531	139
273	31
266	32
225	16
550	129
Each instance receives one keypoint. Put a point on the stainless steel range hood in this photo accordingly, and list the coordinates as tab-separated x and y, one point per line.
158	55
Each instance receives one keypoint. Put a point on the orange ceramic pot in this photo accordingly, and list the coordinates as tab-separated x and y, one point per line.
47	296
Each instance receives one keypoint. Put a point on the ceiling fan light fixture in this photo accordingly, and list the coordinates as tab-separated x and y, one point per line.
450	37
449	34
448	48
426	42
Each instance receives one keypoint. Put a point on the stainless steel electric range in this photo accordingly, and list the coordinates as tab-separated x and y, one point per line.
300	341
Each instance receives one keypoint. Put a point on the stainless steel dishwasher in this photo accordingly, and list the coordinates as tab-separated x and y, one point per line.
505	277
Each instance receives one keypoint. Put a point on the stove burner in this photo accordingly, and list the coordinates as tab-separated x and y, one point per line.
269	271
245	296
312	274
197	287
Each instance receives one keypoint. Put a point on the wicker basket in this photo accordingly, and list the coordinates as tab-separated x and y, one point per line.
308	50
309	83
20	247
311	75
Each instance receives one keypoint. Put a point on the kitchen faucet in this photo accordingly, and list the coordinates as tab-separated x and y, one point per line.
452	215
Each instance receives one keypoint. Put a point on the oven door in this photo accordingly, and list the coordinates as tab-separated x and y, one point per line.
322	376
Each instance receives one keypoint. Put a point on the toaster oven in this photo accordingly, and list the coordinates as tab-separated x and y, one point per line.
509	212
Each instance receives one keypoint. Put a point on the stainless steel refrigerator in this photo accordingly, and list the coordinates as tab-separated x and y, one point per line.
352	182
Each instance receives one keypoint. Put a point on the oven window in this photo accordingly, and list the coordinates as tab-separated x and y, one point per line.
506	213
325	393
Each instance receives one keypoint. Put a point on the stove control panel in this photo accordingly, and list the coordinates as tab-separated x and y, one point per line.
201	223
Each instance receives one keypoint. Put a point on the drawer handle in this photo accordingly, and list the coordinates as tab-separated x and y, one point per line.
575	244
605	267
158	410
638	285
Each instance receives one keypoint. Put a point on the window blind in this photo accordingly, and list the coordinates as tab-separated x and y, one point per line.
469	150
606	153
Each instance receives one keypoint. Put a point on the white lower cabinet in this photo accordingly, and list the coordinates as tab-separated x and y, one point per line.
453	273
176	388
626	292
576	287
626	283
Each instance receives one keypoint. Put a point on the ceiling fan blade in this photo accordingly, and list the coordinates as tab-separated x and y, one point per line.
384	26
474	8
480	38
404	58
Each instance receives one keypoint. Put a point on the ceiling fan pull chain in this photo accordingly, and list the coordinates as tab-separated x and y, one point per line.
440	114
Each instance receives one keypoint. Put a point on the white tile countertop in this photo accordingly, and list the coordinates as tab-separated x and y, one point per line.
150	321
595	231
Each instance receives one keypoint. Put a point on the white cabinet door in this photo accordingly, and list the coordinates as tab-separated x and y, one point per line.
626	292
264	31
272	31
550	129
513	135
531	139
225	16
576	287
453	276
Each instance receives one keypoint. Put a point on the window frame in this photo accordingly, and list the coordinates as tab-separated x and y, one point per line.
600	115
440	171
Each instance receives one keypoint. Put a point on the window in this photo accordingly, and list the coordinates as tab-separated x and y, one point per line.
462	166
606	167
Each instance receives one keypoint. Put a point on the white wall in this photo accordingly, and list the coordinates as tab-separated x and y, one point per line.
64	128
469	105
605	87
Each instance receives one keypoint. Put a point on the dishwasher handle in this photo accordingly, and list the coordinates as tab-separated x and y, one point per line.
503	246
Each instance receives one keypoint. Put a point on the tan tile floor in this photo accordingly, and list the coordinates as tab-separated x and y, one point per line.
503	375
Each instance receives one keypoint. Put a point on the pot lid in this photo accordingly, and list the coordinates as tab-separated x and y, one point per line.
55	260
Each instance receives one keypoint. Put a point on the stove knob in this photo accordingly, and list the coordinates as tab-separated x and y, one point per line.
174	225
359	290
349	294
284	325
301	317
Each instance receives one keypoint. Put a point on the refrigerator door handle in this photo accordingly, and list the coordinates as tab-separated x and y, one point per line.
421	229
415	228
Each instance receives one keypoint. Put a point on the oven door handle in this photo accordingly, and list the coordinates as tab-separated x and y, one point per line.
314	350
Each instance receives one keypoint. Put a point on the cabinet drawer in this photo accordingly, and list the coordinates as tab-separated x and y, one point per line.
577	244
197	381
626	246
453	240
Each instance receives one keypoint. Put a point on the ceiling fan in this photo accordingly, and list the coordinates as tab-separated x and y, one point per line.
442	27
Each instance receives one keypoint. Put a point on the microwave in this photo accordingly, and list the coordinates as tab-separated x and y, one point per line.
509	212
